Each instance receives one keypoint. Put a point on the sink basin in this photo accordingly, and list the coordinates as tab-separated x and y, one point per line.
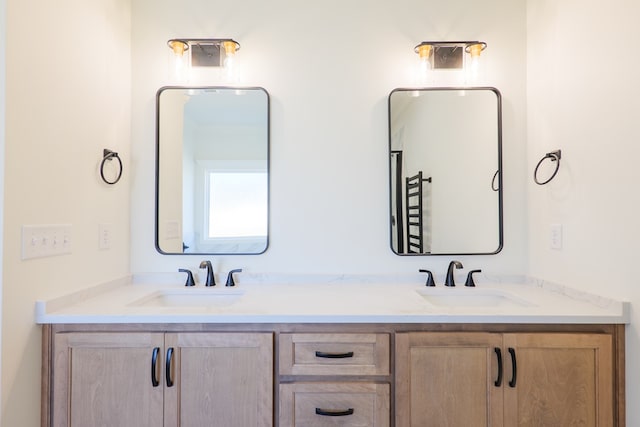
194	298
472	298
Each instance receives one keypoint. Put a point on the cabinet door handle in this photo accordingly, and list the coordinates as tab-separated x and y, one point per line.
333	413
154	367
514	368
498	381
334	355
168	367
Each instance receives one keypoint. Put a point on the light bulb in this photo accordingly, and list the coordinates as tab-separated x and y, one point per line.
229	65
474	51
424	53
179	59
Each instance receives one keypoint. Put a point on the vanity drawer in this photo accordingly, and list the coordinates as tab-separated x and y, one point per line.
334	354
334	404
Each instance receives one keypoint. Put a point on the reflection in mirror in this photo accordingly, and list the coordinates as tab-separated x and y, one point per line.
445	171
212	187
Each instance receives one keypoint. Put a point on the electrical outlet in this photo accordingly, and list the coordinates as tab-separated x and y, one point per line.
104	236
39	241
556	236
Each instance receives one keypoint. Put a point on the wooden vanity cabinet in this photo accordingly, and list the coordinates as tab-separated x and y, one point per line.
338	375
162	379
493	379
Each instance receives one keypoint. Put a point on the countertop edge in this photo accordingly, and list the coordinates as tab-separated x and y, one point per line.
56	311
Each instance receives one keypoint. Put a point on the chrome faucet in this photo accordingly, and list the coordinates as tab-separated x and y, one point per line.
449	281
211	280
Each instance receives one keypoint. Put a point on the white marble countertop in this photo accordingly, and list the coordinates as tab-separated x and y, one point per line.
329	299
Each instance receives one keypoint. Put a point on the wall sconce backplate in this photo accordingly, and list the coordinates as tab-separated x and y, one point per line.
448	58
205	55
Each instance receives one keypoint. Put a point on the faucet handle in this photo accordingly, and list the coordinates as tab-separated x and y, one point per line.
190	281
230	281
430	281
470	281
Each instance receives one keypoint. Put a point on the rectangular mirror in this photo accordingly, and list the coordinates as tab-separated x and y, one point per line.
445	171
212	170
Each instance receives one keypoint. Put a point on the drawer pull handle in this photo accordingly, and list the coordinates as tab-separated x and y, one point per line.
168	367
332	413
154	367
498	381
334	355
514	368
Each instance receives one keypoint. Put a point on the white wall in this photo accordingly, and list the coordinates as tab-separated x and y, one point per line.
329	67
584	98
68	97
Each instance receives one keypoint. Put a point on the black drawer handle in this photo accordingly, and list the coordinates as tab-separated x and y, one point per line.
168	367
514	374
334	355
498	382
154	367
332	413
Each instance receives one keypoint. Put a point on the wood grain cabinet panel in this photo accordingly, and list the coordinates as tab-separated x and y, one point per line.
104	379
447	379
221	379
162	379
347	404
562	380
494	379
334	354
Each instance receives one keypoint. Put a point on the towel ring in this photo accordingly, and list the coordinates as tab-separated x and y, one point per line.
110	155
555	157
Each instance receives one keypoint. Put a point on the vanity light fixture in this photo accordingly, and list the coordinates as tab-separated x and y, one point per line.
449	55
189	53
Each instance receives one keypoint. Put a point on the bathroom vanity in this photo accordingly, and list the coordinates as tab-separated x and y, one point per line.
297	355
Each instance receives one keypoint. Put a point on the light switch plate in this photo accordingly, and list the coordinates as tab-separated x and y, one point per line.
39	241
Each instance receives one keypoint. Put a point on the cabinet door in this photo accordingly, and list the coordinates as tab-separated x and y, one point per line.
105	379
448	379
561	380
219	379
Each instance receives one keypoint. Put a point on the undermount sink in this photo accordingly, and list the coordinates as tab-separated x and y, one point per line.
471	298
193	298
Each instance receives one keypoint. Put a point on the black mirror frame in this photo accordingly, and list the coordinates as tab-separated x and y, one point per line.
157	175
498	172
